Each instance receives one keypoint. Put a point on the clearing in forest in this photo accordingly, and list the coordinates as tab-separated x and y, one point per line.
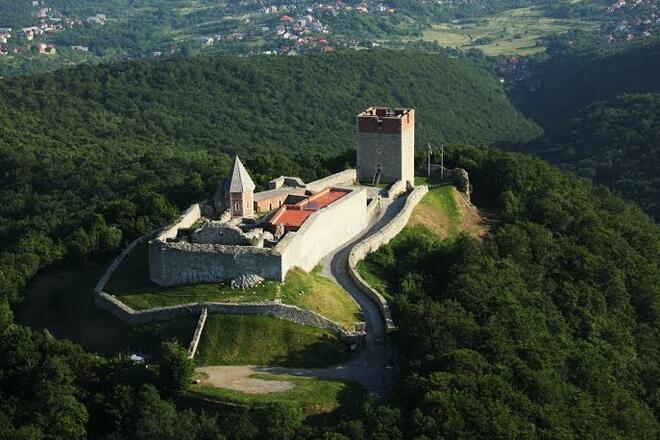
513	32
446	212
246	385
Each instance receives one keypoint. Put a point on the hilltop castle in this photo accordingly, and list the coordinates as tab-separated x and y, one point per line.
292	224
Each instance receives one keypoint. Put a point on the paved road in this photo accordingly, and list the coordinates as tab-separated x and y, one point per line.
375	365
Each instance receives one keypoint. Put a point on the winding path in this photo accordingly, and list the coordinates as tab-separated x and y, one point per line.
375	365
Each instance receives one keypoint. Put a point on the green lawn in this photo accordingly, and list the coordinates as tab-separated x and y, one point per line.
438	212
313	395
130	283
320	295
262	340
515	31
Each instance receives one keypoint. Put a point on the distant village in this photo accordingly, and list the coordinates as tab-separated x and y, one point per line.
284	29
299	28
47	20
291	29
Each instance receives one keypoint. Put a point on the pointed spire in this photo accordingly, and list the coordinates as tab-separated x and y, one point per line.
239	180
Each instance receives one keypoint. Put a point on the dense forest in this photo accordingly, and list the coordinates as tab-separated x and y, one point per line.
569	81
599	109
546	329
615	143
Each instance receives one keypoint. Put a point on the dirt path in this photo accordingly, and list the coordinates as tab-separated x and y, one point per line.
239	378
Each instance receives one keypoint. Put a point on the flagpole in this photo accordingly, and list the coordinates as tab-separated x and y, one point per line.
428	166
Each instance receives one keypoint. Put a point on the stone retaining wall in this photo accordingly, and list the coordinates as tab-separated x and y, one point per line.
192	348
274	309
115	263
375	241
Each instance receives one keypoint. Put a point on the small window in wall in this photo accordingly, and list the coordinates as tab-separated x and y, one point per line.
280	203
237	206
270	206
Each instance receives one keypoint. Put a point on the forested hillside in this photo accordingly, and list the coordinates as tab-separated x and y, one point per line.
570	81
93	156
548	329
615	143
599	109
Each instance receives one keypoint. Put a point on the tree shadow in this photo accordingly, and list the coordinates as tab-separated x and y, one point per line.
325	351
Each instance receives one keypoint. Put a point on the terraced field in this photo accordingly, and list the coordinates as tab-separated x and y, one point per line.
514	32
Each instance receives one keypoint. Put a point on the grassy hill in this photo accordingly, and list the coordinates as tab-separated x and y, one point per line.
262	340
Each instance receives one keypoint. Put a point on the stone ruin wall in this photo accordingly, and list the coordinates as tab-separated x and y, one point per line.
374	242
274	309
171	264
342	178
186	220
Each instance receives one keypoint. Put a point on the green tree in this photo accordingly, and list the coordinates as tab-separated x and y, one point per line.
175	369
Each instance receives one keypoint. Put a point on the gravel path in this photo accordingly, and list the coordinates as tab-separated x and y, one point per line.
374	366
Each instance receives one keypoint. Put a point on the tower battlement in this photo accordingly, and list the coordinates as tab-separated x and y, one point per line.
386	120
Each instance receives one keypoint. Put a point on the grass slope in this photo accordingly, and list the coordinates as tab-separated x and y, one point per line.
130	282
442	213
262	340
314	395
314	292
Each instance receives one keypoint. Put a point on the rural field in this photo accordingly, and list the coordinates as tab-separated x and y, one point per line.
514	32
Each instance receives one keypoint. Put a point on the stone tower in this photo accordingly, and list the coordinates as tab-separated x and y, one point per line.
238	191
386	145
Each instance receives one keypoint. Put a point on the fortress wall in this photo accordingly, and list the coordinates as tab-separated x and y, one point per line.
177	263
187	219
346	177
115	263
396	189
378	239
276	310
372	207
325	231
192	348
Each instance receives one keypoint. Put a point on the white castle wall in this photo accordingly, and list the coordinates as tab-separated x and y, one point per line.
187	219
324	231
